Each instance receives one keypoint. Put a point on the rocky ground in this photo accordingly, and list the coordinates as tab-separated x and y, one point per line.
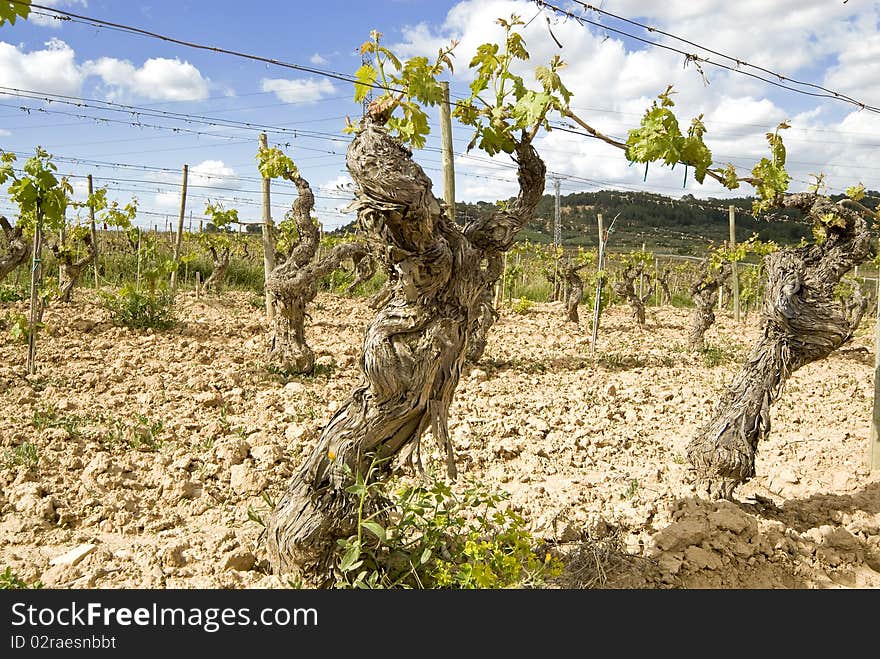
139	459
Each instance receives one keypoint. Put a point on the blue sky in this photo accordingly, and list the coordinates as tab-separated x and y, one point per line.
827	43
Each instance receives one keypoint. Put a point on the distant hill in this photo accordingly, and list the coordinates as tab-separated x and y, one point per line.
685	226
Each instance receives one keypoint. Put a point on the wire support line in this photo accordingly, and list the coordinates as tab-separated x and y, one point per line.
697	60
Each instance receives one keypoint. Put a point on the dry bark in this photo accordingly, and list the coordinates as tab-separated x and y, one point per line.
801	323
625	288
855	305
17	250
70	269
294	283
414	348
364	267
704	293
575	290
486	317
663	280
220	260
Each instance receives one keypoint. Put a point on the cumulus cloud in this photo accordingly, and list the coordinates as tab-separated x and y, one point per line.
159	79
213	174
206	175
317	58
298	91
857	72
52	69
342	185
55	70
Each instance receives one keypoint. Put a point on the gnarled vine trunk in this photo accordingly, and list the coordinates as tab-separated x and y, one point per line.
855	305
221	265
364	269
801	323
575	290
414	348
663	281
625	288
482	323
294	283
704	293
70	270
18	248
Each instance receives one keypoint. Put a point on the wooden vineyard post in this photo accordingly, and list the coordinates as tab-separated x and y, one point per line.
642	278
446	152
36	275
137	277
268	231
874	437
93	232
656	284
557	236
734	275
178	244
597	301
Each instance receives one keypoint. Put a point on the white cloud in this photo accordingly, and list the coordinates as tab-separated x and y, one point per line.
298	91
52	70
213	174
4	132
338	194
208	174
159	79
45	19
857	72
340	186
317	58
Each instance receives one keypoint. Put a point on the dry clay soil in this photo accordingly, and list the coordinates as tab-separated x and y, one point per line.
157	451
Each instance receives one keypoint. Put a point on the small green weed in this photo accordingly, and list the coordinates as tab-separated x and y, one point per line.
429	537
11	581
138	310
522	305
24	455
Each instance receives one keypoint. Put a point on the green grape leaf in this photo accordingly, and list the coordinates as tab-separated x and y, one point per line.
856	192
365	78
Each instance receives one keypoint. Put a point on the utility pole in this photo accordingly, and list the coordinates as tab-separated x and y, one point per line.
268	237
734	275
179	243
446	149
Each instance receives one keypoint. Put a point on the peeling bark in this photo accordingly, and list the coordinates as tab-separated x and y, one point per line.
414	348
801	323
663	280
221	264
364	267
575	290
625	288
704	293
294	283
855	305
18	248
485	319
71	270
